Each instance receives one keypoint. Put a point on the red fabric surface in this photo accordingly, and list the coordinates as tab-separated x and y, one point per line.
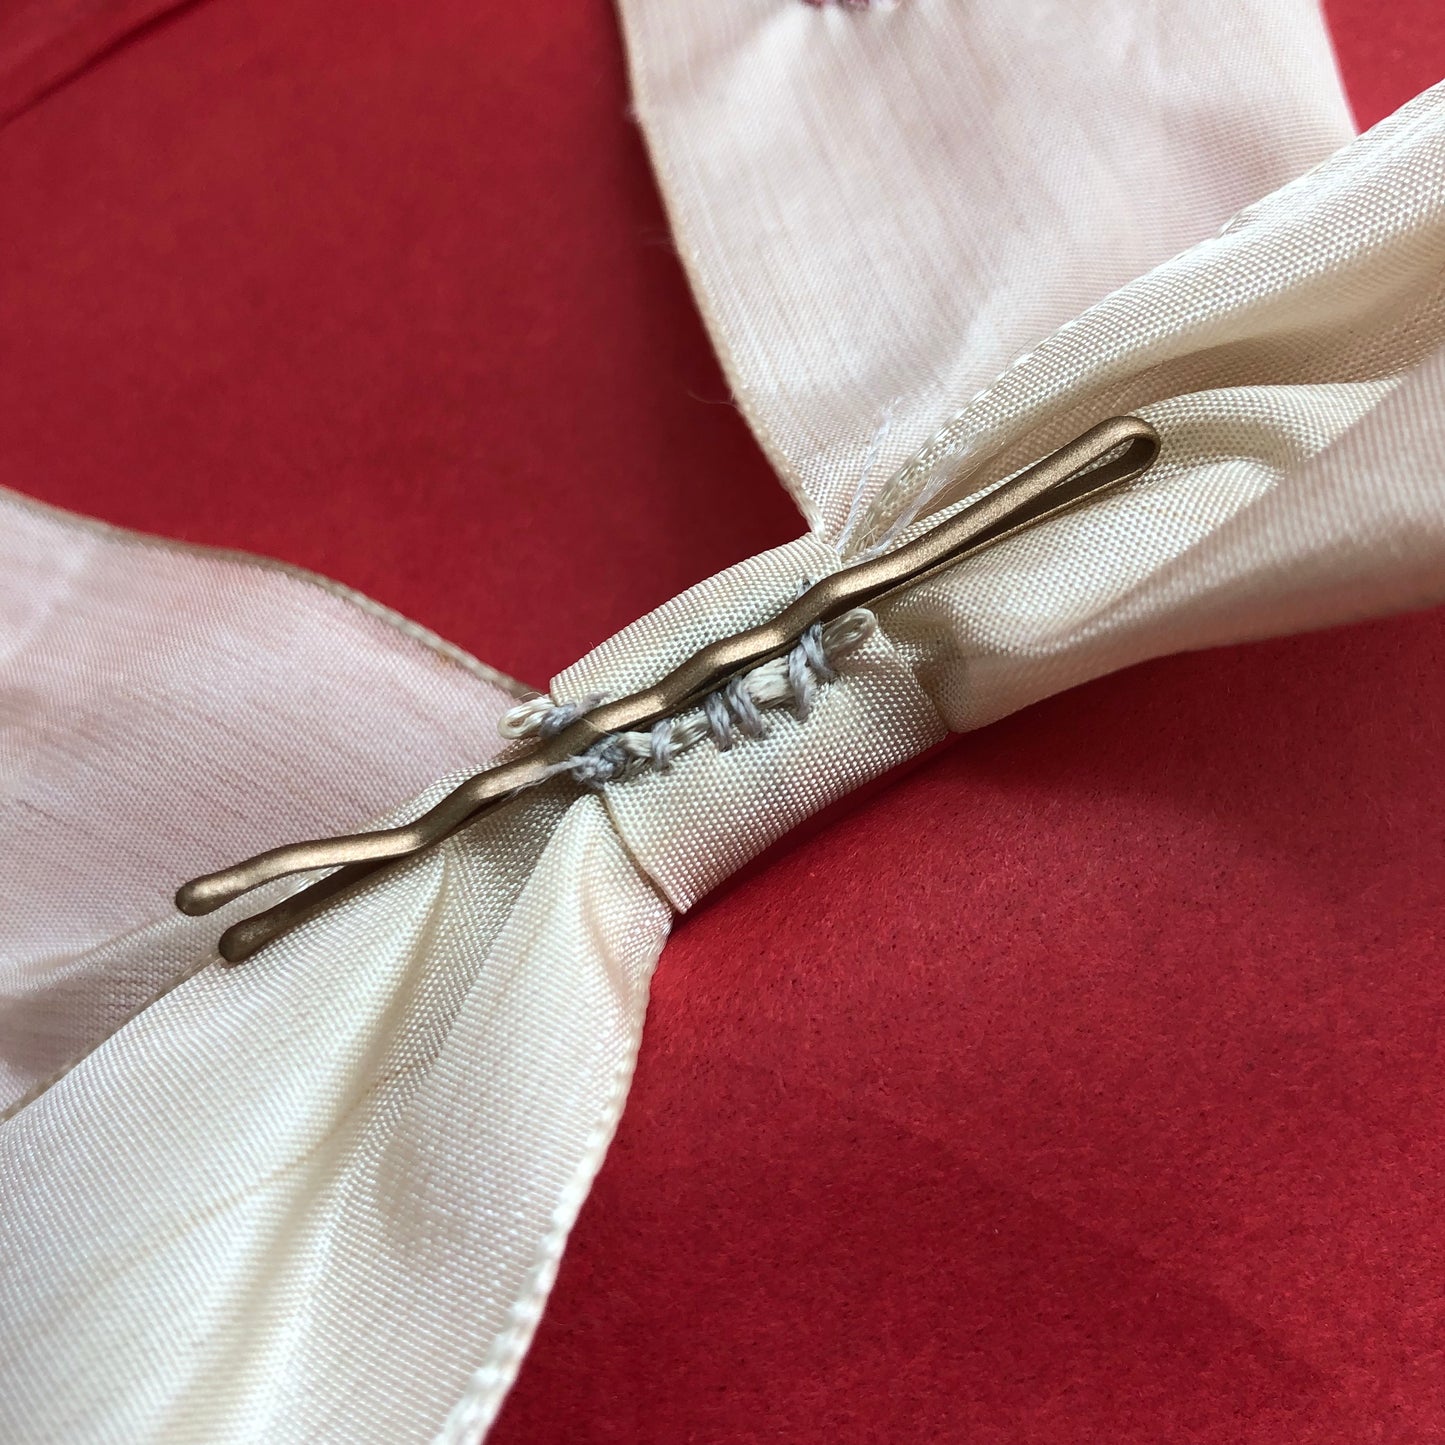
1082	1083
43	43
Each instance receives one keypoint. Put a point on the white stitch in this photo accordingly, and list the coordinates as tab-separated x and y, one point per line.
744	710
524	719
558	718
801	683
719	724
660	741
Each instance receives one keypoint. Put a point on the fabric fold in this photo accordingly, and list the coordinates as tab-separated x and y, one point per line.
42	46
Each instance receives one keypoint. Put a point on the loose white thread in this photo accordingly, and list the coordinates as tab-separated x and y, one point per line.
870	460
791	680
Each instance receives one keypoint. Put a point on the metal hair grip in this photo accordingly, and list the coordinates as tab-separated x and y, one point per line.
1108	455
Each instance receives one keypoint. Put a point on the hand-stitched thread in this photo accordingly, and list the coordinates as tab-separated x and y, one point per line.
791	680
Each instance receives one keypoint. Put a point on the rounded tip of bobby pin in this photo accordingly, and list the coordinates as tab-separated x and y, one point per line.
202	895
240	941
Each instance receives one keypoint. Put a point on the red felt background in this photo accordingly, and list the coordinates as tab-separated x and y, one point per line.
1083	1083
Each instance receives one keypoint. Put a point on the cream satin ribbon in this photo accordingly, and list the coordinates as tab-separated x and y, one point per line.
323	1196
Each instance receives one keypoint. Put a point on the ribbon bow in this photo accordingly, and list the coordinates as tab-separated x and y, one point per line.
350	1233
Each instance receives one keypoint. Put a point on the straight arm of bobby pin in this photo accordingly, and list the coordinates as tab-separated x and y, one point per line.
1105	457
